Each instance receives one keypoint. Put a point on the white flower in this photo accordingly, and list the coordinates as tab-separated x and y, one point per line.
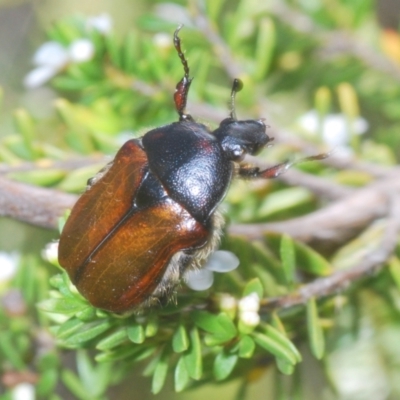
50	253
249	303
23	391
51	57
220	261
248	310
162	40
8	265
102	23
227	302
199	279
51	54
81	50
335	128
39	76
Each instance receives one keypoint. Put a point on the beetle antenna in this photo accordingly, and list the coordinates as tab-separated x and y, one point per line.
237	86
182	88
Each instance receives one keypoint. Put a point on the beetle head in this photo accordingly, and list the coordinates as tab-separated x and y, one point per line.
239	138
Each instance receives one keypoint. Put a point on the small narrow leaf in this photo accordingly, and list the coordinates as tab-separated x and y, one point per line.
136	333
88	332
288	258
280	338
113	340
254	286
284	366
274	347
311	261
151	327
69	327
180	340
193	357
227	324
223	365
246	347
182	377
160	374
207	321
394	269
315	333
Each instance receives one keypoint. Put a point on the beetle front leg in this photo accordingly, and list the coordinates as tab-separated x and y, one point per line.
251	172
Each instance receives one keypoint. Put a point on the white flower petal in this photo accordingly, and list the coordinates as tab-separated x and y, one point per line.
81	50
38	76
227	302
50	252
249	303
201	279
8	265
102	23
51	54
250	318
222	261
23	391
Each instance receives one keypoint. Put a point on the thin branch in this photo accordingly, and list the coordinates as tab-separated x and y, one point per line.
31	204
340	280
334	224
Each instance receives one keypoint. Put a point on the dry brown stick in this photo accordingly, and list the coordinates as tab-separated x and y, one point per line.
336	223
34	205
341	279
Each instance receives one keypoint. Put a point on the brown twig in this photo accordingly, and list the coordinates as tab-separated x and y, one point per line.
341	279
336	223
31	204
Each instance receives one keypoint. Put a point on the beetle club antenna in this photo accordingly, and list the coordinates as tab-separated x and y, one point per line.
237	86
182	88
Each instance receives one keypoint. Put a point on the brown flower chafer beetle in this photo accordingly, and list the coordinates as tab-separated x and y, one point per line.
151	213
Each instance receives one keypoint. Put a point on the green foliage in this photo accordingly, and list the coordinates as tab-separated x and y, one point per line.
125	88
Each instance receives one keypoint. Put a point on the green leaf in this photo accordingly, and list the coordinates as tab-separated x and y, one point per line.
160	373
10	352
47	383
39	177
254	286
274	347
280	338
288	258
69	327
62	306
315	333
74	384
182	377
394	269
151	327
90	331
266	42
246	347
26	127
284	366
96	377
227	324
311	261
207	321
224	364
136	333
193	356
180	340
113	340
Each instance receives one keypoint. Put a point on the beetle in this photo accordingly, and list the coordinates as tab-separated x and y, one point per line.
151	214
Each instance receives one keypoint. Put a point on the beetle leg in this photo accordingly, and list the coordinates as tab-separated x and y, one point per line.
182	88
251	172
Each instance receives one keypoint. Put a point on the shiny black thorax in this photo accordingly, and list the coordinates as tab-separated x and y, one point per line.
190	164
